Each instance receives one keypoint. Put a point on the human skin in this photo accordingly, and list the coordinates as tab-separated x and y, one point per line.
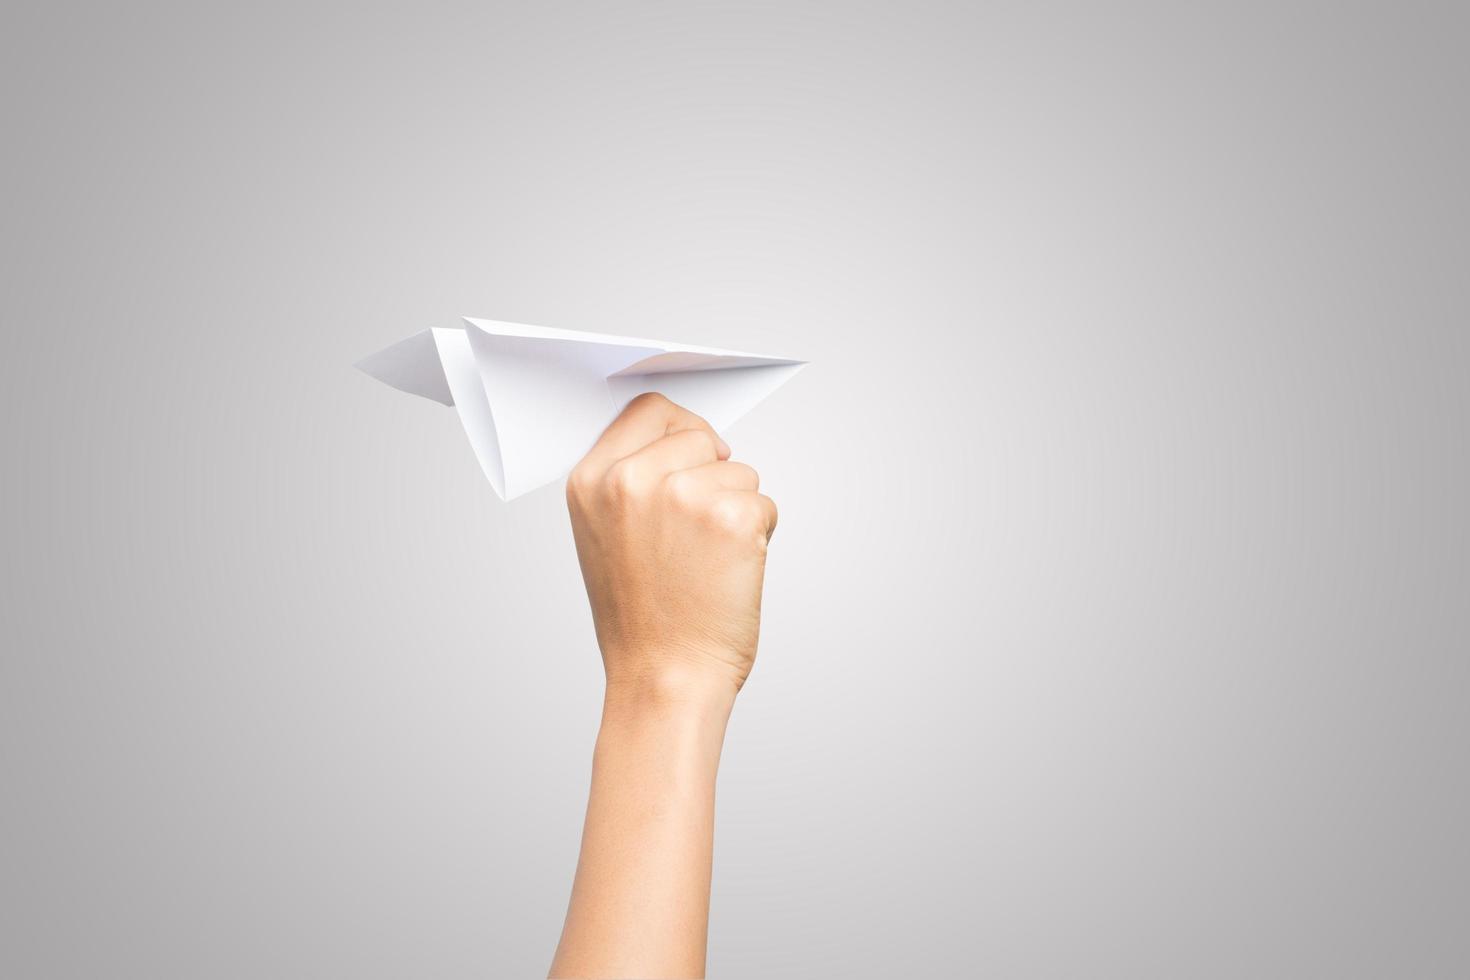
672	536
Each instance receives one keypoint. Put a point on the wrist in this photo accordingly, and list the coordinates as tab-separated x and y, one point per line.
669	737
682	709
671	687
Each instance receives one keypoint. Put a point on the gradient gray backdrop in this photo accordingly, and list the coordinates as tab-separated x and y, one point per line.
1117	624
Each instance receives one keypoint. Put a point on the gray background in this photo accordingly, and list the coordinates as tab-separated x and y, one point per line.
1117	624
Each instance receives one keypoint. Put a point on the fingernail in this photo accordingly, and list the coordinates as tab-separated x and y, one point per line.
724	446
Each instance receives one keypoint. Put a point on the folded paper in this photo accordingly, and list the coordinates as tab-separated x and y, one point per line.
533	400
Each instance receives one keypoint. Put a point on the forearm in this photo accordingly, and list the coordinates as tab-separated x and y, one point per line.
640	900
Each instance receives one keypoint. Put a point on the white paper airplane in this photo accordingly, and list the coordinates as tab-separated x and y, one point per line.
533	400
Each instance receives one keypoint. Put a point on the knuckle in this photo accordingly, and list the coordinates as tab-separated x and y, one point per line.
730	515
580	484
682	490
624	480
706	440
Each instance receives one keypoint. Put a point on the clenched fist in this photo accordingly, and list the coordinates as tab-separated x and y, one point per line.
671	535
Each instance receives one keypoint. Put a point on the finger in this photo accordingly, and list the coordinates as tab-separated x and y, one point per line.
765	509
683	450
769	507
716	476
646	418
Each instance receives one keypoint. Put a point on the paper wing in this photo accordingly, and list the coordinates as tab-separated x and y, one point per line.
533	400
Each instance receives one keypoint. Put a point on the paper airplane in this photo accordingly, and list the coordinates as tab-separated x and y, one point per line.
533	400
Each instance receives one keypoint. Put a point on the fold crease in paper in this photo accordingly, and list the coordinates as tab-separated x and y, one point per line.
533	400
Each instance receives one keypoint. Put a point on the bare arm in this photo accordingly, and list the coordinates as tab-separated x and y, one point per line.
672	540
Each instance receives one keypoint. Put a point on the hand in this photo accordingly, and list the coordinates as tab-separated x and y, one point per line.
672	539
672	536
